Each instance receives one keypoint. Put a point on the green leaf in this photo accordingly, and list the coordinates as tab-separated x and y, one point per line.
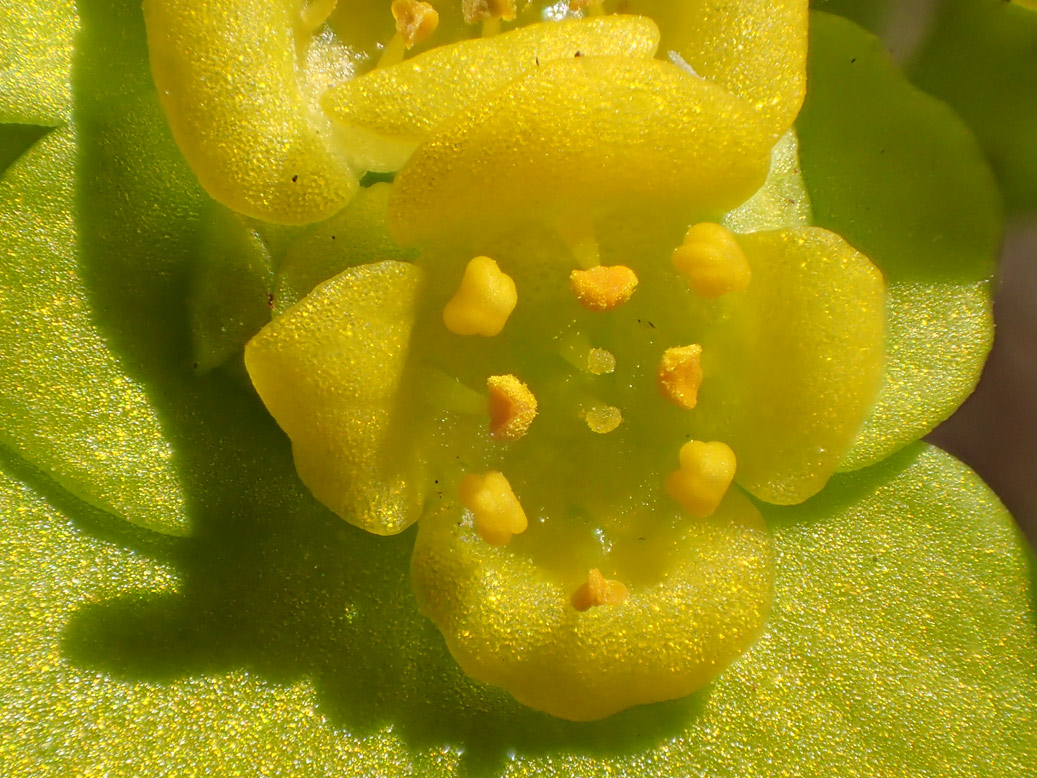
981	57
15	140
278	640
66	403
105	230
903	624
898	175
231	288
869	14
35	60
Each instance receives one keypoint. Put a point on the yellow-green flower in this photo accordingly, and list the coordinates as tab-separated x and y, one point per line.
275	639
459	390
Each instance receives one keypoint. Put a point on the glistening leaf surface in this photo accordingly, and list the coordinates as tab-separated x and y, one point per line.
900	178
66	402
903	623
35	60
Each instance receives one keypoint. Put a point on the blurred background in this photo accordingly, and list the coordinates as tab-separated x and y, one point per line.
980	56
995	431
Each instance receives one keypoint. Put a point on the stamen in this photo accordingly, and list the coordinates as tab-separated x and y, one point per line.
491	27
603	288
489	12
447	393
577	232
603	419
512	407
415	20
712	260
601	361
680	375
497	511
483	302
393	52
574	347
704	477
599	590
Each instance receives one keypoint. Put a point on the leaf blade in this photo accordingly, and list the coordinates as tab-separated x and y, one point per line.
937	227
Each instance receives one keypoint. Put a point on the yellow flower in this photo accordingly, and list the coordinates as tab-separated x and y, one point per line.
274	638
565	190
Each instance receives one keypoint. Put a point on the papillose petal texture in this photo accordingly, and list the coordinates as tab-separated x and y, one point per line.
232	77
585	368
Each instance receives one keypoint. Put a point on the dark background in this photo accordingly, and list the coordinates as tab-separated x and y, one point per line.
995	431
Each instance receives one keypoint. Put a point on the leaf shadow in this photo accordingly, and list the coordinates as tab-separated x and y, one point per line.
271	582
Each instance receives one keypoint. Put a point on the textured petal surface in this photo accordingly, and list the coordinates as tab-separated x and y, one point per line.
755	48
280	641
903	623
509	620
237	98
794	361
329	370
879	173
660	134
383	115
35	61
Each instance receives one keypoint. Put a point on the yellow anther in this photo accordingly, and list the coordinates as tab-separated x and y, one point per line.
712	260
601	361
599	590
680	375
602	288
483	302
704	477
415	20
603	419
512	407
476	11
498	514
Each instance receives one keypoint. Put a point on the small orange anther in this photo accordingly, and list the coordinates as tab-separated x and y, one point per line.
512	407
599	590
680	375
415	20
604	287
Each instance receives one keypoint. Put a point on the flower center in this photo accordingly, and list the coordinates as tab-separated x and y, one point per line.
587	381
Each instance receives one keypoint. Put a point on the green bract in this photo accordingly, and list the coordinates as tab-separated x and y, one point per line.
899	635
